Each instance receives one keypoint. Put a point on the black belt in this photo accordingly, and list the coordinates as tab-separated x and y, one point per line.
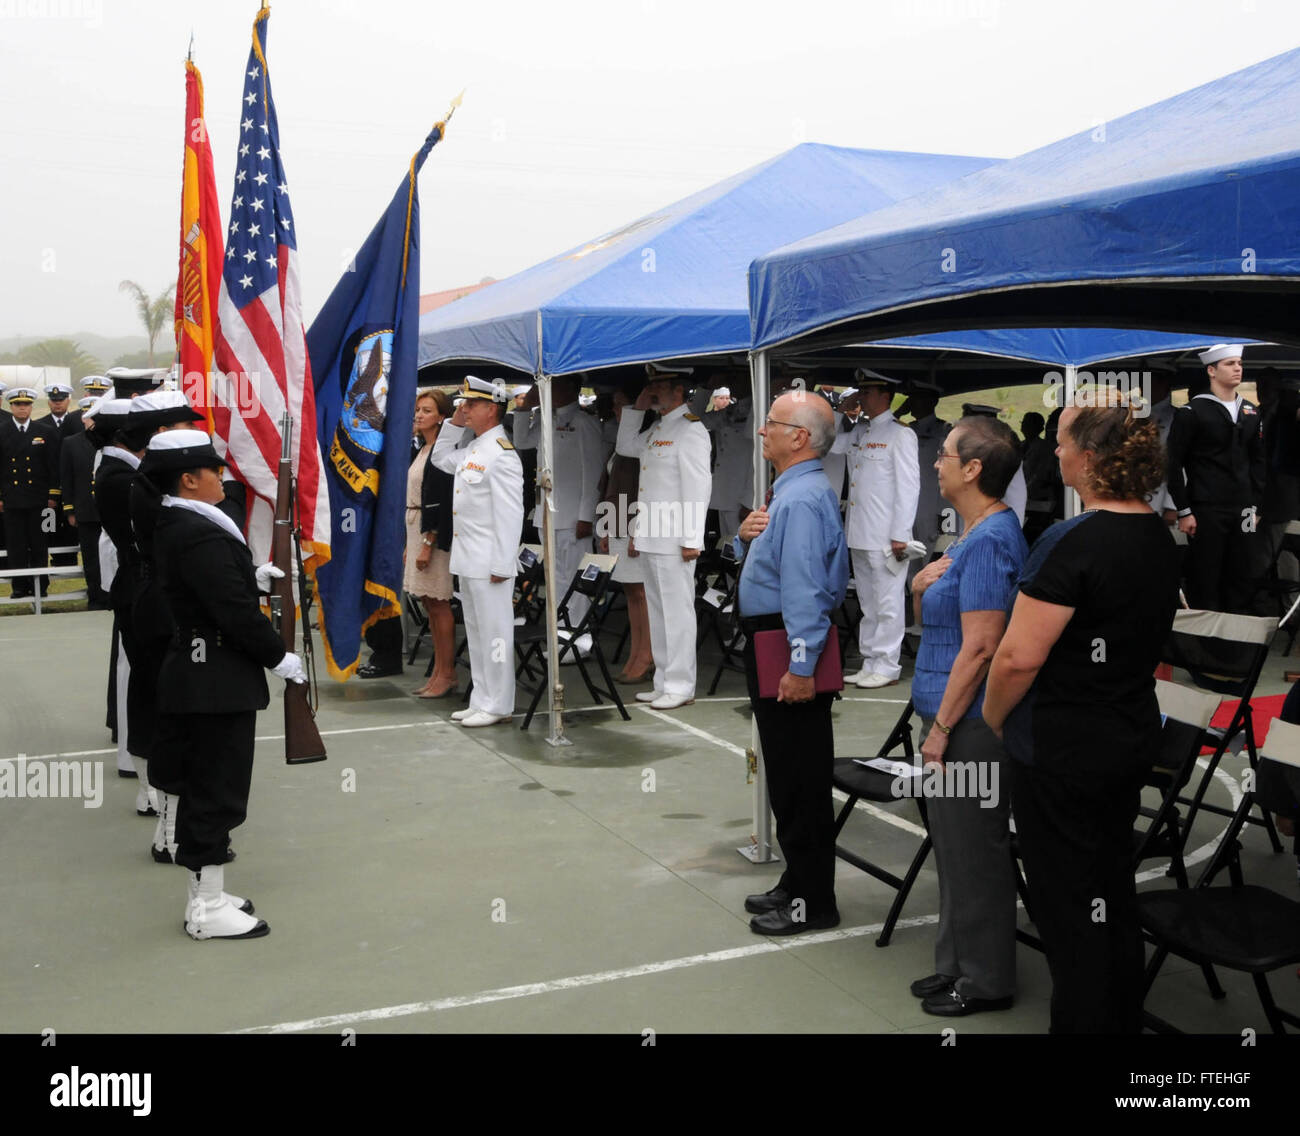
771	621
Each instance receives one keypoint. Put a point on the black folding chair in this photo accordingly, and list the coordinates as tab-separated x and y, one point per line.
863	783
590	580
1225	654
1241	927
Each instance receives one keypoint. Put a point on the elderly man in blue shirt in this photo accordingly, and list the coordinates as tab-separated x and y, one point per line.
795	566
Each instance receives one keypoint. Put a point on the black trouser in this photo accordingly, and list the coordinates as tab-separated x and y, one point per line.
384	639
1224	561
1076	841
207	761
65	536
798	753
25	545
88	537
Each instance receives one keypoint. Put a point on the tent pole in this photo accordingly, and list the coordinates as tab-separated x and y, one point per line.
759	850
545	486
1072	504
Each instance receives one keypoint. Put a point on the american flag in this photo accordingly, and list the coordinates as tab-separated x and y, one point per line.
260	349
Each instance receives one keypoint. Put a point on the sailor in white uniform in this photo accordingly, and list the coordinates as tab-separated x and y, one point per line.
732	425
575	473
668	528
884	486
487	518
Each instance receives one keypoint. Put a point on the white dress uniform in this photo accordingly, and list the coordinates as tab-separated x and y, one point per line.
672	499
576	476
884	486
488	517
733	477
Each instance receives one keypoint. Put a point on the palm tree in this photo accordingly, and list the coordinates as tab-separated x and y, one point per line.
155	314
60	353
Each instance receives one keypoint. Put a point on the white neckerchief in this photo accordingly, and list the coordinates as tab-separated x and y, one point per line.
1233	408
215	515
121	455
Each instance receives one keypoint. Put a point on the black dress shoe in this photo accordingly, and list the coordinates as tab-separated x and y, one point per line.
768	901
149	812
127	772
781	921
161	855
935	984
954	1005
369	670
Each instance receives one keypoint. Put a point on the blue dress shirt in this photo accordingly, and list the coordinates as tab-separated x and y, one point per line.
799	565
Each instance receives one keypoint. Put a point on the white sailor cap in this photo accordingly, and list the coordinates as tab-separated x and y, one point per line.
96	384
20	394
721	392
1220	351
137	380
162	408
55	391
863	379
660	371
476	388
84	404
180	450
515	392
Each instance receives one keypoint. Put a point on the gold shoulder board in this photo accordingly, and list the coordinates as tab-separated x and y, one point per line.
691	417
504	444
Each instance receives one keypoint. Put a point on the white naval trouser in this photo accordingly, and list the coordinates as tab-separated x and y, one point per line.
123	680
670	597
881	594
490	629
569	551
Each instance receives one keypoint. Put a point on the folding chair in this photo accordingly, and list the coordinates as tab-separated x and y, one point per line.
418	620
1187	714
1225	654
865	783
1242	927
1273	584
591	580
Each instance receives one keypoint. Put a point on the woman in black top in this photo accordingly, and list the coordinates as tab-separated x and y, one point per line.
1072	691
428	543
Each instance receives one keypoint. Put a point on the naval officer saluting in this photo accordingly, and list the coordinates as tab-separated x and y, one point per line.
487	518
668	529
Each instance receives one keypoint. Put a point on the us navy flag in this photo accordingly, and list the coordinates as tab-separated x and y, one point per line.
363	350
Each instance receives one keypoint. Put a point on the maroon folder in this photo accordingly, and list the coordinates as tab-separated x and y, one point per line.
772	657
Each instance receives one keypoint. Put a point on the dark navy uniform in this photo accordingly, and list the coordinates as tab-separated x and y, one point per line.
77	481
29	480
65	426
1216	473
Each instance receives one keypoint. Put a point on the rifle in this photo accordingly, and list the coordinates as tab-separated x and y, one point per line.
302	741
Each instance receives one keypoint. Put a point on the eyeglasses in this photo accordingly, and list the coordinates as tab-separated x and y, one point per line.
945	454
777	422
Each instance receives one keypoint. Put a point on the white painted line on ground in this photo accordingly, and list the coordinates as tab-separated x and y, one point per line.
686	726
260	738
576	982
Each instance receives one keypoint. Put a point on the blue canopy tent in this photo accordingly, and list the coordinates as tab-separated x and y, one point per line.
1183	217
672	284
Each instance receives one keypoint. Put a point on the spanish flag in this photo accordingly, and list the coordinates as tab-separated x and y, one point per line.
202	235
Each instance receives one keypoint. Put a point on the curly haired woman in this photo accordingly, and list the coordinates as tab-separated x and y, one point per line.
1073	683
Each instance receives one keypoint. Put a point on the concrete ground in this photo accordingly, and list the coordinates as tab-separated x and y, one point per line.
429	879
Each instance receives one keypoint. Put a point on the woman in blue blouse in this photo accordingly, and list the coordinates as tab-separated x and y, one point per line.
961	602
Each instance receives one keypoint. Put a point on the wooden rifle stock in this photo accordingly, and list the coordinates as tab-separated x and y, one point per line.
302	740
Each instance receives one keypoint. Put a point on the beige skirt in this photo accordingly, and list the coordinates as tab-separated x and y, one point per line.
433	581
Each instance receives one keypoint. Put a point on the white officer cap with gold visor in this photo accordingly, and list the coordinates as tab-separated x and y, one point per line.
476	388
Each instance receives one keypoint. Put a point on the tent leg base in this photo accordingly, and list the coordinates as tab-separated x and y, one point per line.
752	854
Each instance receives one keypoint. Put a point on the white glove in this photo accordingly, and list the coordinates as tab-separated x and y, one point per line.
290	668
265	573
